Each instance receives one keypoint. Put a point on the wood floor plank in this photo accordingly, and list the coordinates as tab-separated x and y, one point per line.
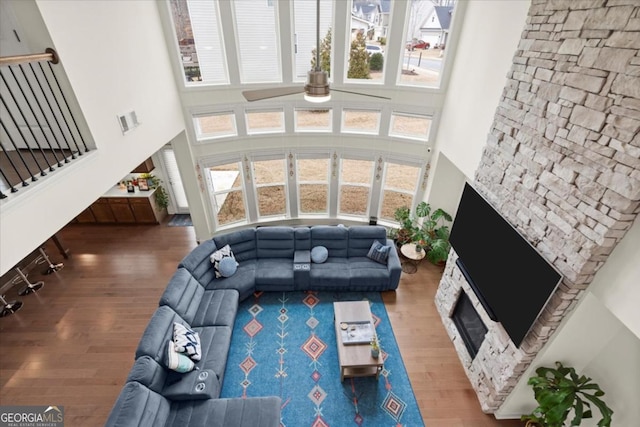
73	342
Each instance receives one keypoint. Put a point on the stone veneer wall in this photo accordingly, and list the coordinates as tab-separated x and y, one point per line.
562	164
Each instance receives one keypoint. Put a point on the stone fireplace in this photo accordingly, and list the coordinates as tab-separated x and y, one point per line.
561	164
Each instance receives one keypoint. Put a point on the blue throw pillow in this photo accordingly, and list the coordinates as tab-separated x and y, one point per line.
379	252
319	254
227	267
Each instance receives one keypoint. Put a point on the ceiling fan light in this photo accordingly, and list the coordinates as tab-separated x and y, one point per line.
317	99
317	87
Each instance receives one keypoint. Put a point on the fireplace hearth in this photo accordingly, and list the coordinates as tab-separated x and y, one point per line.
470	326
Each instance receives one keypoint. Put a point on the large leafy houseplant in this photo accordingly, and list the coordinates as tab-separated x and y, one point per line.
558	391
426	228
433	233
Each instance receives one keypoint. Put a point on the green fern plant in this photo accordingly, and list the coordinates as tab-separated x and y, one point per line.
560	390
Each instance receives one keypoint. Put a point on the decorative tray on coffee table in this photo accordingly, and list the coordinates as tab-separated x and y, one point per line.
357	332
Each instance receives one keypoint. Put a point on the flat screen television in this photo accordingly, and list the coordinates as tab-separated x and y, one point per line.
508	275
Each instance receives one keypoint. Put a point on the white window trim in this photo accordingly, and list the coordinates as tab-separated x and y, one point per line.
263	131
203	137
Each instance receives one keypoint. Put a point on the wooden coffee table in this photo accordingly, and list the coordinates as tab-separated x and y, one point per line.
355	359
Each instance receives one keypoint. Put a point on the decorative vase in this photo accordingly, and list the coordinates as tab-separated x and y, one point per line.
375	352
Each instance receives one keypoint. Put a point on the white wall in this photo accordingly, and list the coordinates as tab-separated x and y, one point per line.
94	39
600	338
490	35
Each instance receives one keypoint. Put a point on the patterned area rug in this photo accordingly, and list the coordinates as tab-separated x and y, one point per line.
180	220
285	344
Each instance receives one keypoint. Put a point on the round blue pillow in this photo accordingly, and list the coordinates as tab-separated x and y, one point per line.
227	266
319	254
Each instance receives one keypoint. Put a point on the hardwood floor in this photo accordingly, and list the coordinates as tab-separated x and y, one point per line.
72	343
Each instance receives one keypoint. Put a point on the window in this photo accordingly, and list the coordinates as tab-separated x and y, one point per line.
398	188
258	42
412	126
265	121
228	193
197	30
427	34
360	121
313	185
219	125
270	180
313	120
367	40
355	186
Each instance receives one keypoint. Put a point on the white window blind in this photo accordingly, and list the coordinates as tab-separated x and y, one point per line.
173	173
206	35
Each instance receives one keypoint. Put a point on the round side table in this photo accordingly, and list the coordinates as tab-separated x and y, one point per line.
413	256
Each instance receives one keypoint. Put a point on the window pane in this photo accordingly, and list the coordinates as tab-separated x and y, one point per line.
196	26
228	195
354	200
410	126
365	48
392	200
313	198
231	207
258	41
359	121
427	34
307	120
313	170
313	188
268	171
269	178
265	121
399	186
215	125
305	36
272	200
401	177
225	177
356	171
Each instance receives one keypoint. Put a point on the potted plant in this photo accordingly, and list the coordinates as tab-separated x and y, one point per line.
433	234
560	390
162	198
375	347
404	234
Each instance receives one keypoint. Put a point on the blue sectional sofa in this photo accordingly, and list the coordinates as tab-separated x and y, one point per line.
266	259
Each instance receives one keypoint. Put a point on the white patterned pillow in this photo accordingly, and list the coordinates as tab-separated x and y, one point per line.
177	361
217	256
187	341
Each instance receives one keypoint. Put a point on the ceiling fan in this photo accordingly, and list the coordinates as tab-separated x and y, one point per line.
316	88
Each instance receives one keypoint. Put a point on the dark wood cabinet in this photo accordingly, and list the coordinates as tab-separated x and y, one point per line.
102	211
145	167
143	210
86	216
121	209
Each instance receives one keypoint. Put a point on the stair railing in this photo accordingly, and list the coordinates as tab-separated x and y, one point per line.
39	132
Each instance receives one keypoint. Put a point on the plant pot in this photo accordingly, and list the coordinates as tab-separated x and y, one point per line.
375	353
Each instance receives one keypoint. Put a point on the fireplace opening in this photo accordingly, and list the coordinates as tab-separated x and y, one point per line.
469	324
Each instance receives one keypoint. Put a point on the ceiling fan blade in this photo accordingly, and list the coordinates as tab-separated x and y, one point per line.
358	93
259	94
